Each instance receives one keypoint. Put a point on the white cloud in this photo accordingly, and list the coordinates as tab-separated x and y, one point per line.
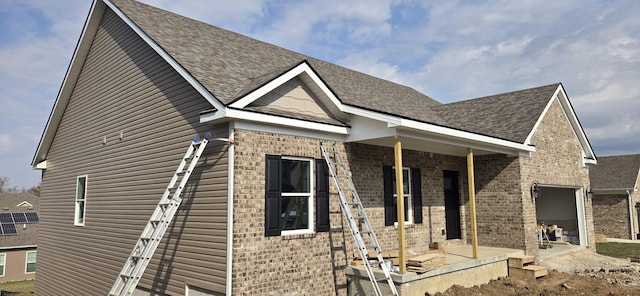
5	144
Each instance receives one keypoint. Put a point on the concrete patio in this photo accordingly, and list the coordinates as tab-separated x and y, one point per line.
461	269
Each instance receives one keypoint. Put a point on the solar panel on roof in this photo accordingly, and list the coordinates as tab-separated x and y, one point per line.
19	218
9	229
32	217
6	218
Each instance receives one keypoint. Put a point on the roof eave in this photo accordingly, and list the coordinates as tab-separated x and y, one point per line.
71	77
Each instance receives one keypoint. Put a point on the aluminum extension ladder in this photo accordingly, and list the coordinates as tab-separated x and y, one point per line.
340	172
149	240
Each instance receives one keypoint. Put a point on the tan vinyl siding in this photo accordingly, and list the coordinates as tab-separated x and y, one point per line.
126	87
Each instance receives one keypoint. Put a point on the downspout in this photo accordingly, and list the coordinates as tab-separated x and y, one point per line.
631	227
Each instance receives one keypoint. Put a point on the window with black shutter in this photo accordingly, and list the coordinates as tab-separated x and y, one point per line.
412	191
291	203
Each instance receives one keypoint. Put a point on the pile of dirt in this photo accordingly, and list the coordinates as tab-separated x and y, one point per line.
555	283
581	272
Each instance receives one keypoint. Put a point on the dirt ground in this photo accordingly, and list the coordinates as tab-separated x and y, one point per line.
577	273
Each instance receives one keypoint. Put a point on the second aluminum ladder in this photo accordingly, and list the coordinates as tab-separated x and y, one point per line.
359	224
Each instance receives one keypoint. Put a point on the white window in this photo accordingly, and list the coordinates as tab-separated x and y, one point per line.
3	257
406	181
81	200
31	262
296	210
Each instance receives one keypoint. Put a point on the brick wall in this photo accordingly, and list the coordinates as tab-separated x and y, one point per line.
313	264
556	161
611	215
499	201
278	265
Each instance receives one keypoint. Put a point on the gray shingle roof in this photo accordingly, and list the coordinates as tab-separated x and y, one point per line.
230	65
615	172
27	233
509	116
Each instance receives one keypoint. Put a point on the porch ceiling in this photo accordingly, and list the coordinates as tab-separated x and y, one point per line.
440	144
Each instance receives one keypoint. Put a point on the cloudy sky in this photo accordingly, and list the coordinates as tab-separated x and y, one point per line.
450	50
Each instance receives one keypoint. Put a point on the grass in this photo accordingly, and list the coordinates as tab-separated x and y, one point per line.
618	250
19	286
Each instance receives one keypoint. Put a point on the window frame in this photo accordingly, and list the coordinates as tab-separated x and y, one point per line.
3	264
26	262
319	204
310	196
80	204
408	218
390	202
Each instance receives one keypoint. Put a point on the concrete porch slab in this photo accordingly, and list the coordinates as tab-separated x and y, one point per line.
461	269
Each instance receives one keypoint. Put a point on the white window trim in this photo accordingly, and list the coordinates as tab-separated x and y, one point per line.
311	195
3	263
26	262
407	220
76	206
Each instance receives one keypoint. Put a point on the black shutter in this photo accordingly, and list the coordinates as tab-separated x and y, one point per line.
416	194
322	196
390	213
273	190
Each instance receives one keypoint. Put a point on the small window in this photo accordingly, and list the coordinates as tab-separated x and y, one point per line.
406	180
2	263
31	262
81	200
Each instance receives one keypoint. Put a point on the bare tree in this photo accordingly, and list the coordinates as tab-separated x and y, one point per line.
4	183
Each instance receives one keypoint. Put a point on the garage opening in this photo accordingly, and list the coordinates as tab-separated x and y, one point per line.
562	210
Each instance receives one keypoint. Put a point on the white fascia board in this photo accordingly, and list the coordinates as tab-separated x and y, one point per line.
70	78
575	123
539	121
274	120
466	139
280	80
167	57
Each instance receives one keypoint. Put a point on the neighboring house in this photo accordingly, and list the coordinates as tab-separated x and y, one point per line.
616	200
143	81
18	236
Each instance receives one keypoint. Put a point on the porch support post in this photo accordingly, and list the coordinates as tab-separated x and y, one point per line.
472	203
400	204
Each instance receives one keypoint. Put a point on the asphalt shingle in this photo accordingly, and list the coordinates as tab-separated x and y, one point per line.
615	172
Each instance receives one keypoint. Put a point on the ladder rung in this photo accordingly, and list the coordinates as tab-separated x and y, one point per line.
382	279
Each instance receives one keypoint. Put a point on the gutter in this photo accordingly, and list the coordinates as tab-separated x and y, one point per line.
19	247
